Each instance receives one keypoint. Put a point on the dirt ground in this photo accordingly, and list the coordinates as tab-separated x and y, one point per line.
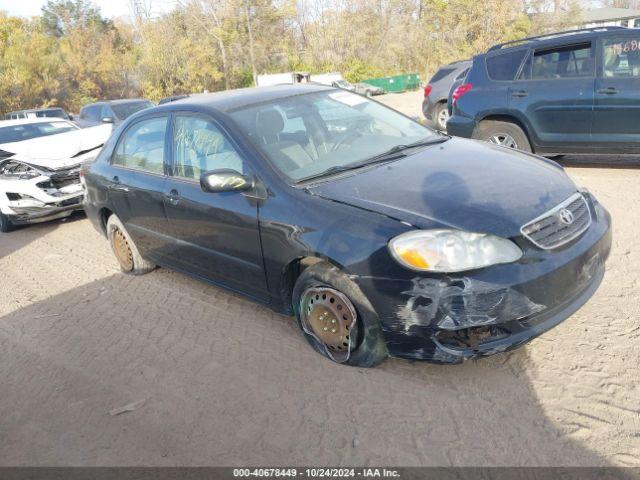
218	380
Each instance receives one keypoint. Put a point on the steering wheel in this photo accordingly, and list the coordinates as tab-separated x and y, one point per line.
352	134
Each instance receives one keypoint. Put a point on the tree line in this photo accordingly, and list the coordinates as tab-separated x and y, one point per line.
71	55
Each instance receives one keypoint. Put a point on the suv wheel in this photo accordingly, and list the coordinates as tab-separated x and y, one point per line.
441	116
506	134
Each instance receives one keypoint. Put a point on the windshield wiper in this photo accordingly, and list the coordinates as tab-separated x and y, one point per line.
394	153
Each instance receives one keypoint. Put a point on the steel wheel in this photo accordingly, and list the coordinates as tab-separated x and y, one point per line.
330	318
503	139
122	250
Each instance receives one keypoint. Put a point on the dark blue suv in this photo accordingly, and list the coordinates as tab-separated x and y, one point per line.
569	92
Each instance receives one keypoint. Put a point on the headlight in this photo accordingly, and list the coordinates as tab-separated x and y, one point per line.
451	250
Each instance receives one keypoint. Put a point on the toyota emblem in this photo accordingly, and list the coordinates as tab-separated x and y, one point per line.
566	216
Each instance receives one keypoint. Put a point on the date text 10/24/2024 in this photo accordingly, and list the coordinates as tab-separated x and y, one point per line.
316	473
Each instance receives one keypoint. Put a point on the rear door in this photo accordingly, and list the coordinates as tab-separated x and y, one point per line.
137	182
217	234
616	117
555	95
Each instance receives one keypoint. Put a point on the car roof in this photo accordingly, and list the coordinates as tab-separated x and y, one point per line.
233	99
558	37
23	121
116	102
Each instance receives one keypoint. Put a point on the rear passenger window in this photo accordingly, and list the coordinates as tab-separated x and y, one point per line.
564	62
440	74
199	146
621	57
142	146
505	66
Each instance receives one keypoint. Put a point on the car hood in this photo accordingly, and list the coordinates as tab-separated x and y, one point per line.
58	151
463	184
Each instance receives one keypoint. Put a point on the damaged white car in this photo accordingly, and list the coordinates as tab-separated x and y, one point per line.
40	163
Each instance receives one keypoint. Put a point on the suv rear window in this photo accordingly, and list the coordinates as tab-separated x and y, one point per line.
440	74
505	66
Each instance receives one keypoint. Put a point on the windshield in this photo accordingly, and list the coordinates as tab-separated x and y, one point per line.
125	110
306	135
27	131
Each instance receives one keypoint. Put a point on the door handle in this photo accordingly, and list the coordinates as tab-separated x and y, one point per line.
608	91
116	185
173	197
519	94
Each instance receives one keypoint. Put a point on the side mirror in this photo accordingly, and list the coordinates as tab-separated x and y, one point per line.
225	180
107	120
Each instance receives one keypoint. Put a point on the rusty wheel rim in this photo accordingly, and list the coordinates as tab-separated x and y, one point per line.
122	249
330	318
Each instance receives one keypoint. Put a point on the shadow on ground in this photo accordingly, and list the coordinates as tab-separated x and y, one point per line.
225	381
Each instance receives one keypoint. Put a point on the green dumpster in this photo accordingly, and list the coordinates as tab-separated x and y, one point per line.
396	83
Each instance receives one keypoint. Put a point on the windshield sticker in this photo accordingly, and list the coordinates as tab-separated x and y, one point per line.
348	98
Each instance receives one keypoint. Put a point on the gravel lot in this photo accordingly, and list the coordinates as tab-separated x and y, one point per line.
225	381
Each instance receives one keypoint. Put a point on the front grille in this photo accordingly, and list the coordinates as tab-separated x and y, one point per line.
559	225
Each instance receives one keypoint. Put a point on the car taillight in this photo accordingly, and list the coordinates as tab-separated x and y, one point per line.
460	91
427	90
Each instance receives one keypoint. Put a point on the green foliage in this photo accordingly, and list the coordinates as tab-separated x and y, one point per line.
71	55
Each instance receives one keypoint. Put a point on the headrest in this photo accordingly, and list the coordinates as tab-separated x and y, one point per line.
269	122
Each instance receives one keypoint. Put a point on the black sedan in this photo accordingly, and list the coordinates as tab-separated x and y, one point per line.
381	236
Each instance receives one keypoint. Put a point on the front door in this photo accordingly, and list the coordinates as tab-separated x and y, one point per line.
616	117
555	94
137	183
217	234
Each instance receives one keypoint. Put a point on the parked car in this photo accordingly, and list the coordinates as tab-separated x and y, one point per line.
360	88
435	104
112	111
38	113
368	90
569	92
39	168
344	84
385	238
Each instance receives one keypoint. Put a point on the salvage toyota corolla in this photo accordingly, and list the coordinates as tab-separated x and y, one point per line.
381	236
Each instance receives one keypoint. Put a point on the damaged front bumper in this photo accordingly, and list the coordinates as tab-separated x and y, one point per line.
25	215
450	318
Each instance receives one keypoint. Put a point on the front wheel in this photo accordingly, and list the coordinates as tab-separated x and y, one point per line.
336	318
505	134
5	223
125	250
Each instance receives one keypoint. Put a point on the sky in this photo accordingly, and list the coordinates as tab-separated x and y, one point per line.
109	8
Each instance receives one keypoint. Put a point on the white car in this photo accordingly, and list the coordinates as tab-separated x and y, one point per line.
40	163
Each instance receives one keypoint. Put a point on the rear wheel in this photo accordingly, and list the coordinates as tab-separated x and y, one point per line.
441	115
368	93
125	250
505	134
5	223
336	318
